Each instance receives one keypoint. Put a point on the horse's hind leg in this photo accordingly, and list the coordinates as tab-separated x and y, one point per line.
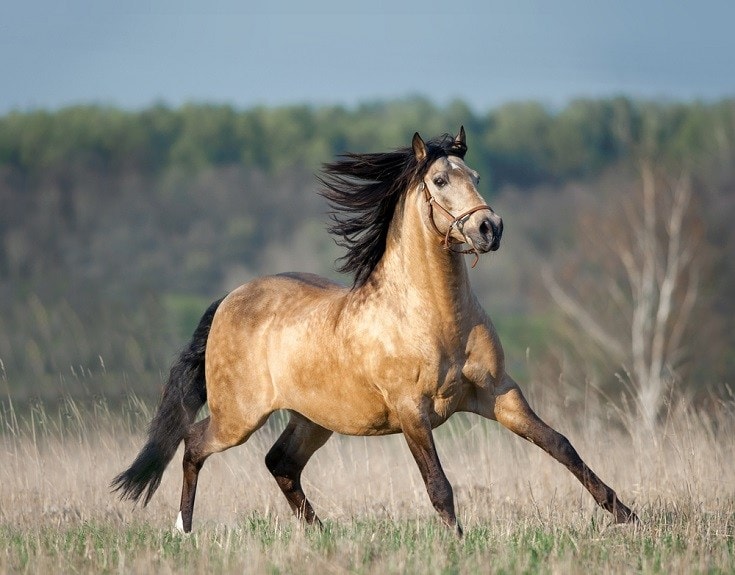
288	457
194	458
510	408
205	438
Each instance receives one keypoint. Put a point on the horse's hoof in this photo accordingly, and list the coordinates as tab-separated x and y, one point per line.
180	524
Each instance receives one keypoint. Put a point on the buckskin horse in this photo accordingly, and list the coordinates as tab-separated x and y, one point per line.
400	351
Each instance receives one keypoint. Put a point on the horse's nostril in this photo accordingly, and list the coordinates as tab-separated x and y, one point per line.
485	228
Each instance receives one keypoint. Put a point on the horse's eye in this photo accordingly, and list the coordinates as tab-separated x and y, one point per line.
440	182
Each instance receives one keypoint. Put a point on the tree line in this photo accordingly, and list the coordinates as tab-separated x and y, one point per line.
116	226
520	143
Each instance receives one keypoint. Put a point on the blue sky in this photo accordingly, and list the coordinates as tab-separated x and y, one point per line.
133	54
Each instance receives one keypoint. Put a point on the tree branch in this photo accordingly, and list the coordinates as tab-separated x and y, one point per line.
579	315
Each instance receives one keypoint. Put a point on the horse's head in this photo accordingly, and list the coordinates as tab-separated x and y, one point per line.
456	210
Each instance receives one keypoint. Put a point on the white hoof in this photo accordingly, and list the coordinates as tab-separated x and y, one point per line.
180	523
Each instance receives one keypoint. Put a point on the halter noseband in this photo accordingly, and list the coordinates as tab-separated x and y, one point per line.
454	222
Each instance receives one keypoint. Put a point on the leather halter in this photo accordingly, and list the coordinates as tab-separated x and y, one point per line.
454	222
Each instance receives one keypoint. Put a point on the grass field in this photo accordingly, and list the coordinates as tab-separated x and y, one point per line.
522	511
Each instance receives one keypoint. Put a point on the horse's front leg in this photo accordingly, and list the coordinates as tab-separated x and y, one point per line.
417	431
509	407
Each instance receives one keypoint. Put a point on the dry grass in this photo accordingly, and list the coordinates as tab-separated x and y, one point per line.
522	511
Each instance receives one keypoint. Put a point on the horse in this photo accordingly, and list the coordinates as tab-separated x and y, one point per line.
399	351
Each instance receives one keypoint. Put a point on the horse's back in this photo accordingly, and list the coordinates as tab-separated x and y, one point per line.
288	293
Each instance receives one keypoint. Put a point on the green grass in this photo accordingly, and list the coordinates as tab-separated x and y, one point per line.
666	543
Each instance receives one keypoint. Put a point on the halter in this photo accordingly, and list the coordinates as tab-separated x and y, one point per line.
454	222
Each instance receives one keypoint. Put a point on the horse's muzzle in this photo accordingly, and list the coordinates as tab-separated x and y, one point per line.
486	237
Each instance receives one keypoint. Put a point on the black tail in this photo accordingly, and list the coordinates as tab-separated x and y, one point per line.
183	396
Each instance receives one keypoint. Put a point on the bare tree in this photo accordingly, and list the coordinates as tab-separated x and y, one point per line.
645	245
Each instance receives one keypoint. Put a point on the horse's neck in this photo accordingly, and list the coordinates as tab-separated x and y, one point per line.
418	273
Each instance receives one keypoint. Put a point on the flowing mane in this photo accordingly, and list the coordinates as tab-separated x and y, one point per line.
363	191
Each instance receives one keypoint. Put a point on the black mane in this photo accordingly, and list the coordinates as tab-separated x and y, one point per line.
363	191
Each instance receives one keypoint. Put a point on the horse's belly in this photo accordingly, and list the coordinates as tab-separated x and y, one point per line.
329	382
341	400
347	409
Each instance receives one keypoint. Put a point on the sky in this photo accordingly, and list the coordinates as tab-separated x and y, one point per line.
133	54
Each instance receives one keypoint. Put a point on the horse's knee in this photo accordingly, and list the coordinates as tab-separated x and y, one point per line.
562	450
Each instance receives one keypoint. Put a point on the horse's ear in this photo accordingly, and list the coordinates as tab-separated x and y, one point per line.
419	148
461	137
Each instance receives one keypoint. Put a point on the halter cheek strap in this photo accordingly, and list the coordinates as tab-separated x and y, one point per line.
454	222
